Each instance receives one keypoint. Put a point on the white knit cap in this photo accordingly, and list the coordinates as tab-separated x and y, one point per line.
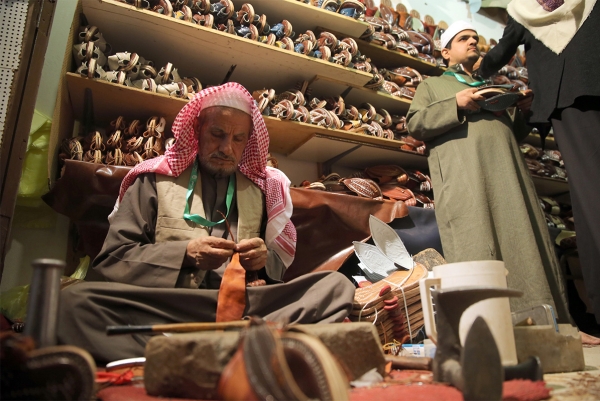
228	98
453	30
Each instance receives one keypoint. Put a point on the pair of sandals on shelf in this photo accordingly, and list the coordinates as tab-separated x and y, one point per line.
327	47
330	113
122	145
403	185
350	8
385	31
132	70
401	82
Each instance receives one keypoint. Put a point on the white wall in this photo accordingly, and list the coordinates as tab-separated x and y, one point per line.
28	243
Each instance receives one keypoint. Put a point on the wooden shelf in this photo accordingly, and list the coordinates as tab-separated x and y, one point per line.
304	17
112	100
208	53
550	186
324	87
385	58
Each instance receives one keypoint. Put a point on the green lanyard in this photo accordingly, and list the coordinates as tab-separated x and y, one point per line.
462	80
199	219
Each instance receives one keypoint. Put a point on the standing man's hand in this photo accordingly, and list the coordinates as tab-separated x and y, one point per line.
467	99
524	104
253	253
209	253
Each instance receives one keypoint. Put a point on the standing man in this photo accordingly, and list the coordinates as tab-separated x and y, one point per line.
560	39
168	243
486	203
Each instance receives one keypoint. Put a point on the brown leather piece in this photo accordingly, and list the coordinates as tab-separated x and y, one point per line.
326	223
232	293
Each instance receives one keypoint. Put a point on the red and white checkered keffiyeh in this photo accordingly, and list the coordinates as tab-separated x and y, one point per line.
280	232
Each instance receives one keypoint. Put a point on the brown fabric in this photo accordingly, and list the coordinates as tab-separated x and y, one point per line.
326	223
232	293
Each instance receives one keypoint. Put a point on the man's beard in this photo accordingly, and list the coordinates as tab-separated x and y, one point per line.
217	171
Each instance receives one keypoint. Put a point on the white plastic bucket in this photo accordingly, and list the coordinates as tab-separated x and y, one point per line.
495	311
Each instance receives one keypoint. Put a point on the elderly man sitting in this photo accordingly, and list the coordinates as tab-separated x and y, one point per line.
168	244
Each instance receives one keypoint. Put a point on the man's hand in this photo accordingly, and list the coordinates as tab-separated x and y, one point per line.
253	253
467	99
524	104
209	253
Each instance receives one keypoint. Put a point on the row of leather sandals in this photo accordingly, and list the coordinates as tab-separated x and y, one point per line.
246	23
130	69
381	182
334	113
121	144
350	8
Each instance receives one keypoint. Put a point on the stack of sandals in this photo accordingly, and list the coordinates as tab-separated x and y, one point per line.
381	182
398	30
246	23
334	113
94	60
350	8
544	163
122	144
393	305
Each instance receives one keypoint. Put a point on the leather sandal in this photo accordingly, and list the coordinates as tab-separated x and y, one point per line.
174	89
163	7
91	34
222	11
167	74
263	99
146	84
115	77
284	109
93	156
245	16
184	14
205	20
91	70
86	51
364	187
123	61
115	140
115	158
131	159
352	8
155	127
201	7
133	130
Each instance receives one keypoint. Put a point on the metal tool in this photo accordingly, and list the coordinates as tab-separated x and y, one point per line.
476	369
44	295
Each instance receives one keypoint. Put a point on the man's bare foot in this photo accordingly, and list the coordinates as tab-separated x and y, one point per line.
586	339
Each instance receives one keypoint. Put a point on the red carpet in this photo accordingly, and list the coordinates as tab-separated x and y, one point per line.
403	385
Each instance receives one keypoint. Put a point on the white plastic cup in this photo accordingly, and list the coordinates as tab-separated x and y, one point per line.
495	311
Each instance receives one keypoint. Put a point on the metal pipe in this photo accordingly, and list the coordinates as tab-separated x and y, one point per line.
43	301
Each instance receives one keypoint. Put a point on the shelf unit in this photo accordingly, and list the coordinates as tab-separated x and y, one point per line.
208	54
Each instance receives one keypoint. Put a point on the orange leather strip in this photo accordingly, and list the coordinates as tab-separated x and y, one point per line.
232	293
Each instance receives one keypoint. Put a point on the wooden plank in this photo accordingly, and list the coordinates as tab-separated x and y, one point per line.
112	100
208	53
550	186
385	58
324	87
287	136
367	156
304	16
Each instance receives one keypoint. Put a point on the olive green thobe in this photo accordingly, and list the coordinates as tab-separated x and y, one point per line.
486	204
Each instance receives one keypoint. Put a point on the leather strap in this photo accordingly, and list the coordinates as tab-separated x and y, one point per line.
231	301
